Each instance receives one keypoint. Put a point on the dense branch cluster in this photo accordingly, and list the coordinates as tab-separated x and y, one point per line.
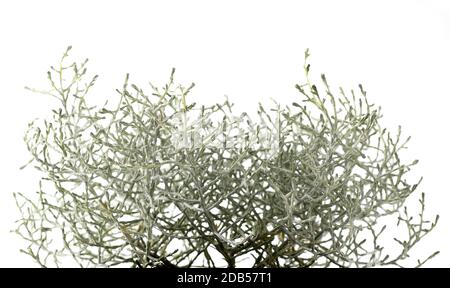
153	181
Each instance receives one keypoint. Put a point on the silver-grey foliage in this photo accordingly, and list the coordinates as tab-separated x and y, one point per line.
156	181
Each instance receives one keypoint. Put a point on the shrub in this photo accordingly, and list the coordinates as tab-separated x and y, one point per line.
155	181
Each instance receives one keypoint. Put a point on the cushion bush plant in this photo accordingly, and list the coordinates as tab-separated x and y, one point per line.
154	180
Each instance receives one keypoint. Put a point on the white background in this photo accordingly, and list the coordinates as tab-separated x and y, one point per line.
248	50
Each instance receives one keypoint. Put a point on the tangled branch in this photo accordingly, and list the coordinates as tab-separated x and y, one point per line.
153	181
